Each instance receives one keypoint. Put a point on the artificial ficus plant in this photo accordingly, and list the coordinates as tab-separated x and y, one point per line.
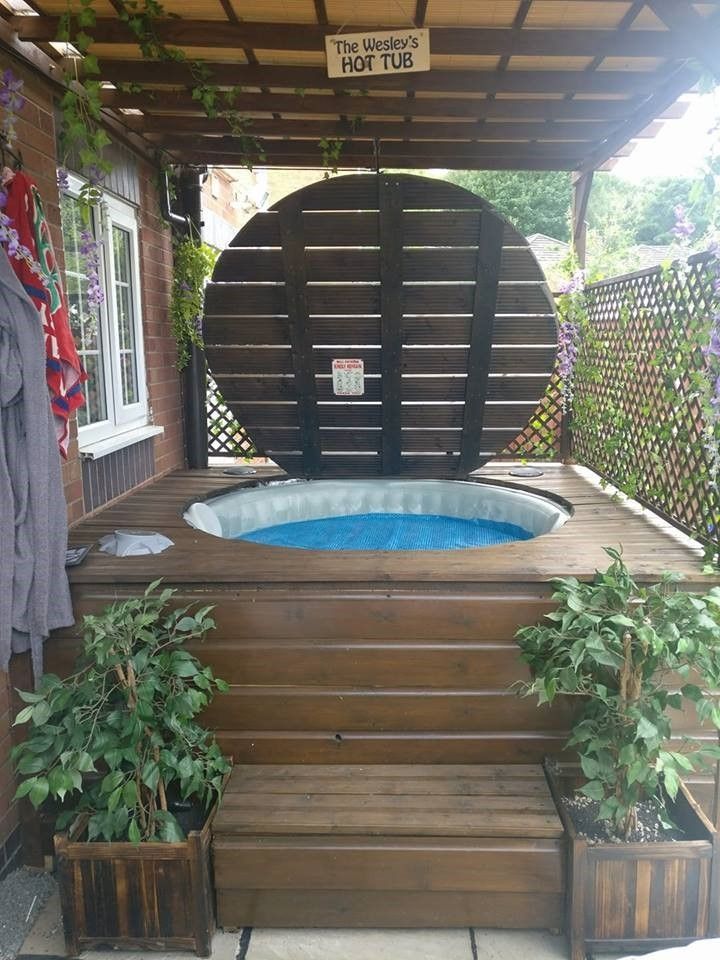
119	734
617	646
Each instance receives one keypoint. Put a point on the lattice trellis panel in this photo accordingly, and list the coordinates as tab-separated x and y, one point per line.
541	439
226	438
638	411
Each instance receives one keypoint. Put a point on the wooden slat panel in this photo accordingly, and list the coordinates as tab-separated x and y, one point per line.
484	305
363	263
391	310
229	331
415	389
294	293
475	865
249	299
399	909
359	229
296	708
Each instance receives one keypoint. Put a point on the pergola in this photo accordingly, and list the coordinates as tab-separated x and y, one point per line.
513	84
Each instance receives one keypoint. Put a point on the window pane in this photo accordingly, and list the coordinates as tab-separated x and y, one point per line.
84	324
125	314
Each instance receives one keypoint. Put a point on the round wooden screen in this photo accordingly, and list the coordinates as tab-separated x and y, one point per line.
380	325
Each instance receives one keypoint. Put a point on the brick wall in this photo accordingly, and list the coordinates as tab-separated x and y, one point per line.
37	142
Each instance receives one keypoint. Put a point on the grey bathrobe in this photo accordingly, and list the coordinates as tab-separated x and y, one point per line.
34	593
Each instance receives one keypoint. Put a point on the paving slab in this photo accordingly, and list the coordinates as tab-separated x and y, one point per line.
360	945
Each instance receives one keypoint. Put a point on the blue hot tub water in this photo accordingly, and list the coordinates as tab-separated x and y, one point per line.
388	531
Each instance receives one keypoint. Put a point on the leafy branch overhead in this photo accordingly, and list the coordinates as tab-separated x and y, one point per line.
119	738
630	654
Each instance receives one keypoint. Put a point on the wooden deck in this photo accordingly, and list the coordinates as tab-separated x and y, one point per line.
379	845
574	550
369	657
337	661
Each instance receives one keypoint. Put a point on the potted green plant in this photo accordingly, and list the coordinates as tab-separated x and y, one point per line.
118	746
643	863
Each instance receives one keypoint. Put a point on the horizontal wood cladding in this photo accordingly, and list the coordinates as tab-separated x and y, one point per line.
363	264
415	389
330	746
273	361
389	909
308	708
253	299
340	330
363	864
346	678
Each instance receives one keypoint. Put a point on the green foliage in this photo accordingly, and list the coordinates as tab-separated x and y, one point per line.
116	735
331	149
193	263
533	202
630	653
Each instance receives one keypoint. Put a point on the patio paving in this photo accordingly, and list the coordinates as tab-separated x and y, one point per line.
46	940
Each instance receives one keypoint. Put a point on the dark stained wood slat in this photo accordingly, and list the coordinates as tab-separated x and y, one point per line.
391	311
238	299
345	330
481	338
363	263
358	228
295	291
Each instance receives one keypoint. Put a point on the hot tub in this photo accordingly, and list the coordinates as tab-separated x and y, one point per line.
387	514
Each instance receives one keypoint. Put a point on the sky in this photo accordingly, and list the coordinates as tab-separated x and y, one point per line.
679	149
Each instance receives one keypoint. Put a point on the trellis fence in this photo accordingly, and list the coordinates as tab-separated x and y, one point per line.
638	417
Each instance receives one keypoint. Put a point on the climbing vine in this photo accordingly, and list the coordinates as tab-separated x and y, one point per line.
193	263
639	359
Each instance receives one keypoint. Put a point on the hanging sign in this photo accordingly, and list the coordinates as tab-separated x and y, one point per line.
348	378
366	54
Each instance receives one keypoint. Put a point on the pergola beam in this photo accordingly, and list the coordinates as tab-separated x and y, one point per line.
428	150
454	108
678	82
582	184
399	130
699	36
449	41
616	82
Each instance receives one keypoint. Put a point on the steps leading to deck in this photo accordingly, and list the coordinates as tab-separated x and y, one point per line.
388	846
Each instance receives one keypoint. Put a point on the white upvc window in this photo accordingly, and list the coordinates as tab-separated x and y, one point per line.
109	342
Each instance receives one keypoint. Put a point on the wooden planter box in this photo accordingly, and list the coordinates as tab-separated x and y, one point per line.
154	896
641	896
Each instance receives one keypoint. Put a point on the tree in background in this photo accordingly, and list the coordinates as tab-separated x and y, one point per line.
533	202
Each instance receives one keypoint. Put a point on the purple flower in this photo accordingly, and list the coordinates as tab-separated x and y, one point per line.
684	228
90	253
95	175
575	284
63	180
12	101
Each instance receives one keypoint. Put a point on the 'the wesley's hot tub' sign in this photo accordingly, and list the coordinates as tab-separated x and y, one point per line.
365	54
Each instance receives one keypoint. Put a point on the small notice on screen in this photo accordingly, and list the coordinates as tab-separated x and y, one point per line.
348	378
392	51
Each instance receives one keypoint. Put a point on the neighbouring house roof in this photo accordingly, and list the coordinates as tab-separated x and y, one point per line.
644	255
514	85
549	251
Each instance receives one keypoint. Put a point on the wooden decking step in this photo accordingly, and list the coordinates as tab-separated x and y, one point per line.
379	845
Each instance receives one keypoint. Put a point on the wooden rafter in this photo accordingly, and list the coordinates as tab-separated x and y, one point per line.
445	40
181	102
616	82
700	36
382	130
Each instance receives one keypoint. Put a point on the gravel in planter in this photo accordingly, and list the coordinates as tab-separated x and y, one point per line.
583	811
22	894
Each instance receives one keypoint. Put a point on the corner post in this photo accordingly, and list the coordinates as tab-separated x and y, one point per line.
195	374
582	184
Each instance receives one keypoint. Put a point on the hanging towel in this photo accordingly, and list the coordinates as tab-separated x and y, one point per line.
34	592
65	373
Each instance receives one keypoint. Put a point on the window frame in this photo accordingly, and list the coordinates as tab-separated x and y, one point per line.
120	417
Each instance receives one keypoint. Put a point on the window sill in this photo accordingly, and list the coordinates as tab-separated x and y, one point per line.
101	448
